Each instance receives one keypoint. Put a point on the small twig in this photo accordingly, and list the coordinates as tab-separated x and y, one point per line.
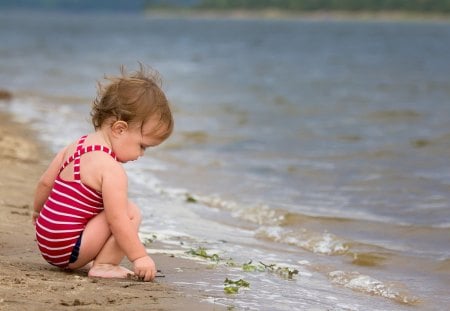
134	277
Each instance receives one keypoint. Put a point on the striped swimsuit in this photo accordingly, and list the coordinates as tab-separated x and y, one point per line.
66	212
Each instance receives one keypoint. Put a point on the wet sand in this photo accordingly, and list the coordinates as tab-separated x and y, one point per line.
27	282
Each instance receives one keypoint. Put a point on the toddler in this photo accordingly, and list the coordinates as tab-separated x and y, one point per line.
82	212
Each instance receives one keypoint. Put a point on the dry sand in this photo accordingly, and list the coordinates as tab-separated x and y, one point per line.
27	282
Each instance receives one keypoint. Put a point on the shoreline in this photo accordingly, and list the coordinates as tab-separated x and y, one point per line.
29	283
276	14
261	14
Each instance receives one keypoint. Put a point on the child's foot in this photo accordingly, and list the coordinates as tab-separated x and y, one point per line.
109	271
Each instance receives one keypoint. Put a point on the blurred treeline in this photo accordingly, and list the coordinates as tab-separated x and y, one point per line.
315	5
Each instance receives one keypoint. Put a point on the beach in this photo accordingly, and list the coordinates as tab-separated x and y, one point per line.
318	145
28	283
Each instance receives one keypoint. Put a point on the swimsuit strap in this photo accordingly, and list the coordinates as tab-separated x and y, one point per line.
79	152
81	142
76	163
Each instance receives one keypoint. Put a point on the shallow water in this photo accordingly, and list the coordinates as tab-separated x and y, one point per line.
318	145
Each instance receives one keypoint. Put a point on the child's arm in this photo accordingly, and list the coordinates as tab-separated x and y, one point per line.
45	184
115	200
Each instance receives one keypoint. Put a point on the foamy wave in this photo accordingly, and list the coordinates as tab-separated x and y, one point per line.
270	220
34	111
444	225
260	214
320	243
366	284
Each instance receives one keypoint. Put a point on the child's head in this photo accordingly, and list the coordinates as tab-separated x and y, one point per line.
133	98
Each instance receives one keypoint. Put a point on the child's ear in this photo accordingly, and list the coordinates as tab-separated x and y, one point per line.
119	127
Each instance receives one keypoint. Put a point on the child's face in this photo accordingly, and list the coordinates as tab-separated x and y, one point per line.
133	141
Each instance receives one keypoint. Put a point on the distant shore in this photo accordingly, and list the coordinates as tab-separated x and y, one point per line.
297	15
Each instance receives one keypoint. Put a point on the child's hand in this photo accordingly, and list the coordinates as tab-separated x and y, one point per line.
145	268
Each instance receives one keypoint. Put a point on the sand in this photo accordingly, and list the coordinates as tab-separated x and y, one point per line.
27	282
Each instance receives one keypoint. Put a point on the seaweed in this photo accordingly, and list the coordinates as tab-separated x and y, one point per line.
284	272
201	252
148	241
232	287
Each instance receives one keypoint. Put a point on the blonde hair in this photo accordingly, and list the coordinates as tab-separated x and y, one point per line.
133	98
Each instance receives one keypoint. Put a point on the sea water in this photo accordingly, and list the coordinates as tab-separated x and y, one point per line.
320	147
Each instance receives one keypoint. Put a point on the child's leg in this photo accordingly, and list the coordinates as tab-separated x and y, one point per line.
94	237
106	264
99	244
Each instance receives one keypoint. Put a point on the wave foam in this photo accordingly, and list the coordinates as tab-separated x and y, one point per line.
320	243
367	284
259	214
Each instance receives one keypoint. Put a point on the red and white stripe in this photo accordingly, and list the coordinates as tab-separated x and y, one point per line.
68	209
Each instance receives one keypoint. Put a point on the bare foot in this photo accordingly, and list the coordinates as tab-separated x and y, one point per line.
109	271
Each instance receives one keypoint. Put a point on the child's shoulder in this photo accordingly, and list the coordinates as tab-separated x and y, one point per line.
97	165
90	147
